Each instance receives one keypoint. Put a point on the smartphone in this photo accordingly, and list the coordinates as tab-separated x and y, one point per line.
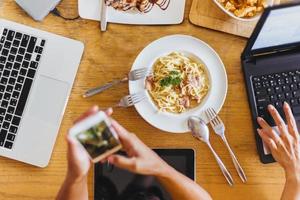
96	136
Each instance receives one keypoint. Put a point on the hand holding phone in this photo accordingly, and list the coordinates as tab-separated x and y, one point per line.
96	136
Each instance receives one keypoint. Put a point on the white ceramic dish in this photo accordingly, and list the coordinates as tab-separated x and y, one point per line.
255	18
90	9
190	46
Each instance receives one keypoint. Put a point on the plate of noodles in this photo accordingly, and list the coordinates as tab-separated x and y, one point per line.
186	76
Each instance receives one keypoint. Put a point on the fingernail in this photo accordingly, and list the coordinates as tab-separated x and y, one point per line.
271	107
259	119
285	104
258	130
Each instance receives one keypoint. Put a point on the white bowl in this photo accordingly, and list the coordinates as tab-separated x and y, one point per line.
254	18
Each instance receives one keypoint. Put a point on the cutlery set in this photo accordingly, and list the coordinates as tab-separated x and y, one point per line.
200	131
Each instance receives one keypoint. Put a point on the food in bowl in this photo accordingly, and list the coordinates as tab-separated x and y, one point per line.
143	6
177	83
244	8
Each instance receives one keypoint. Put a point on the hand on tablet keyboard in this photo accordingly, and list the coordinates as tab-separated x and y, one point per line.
285	148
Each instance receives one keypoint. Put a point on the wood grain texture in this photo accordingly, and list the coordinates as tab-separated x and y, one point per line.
109	56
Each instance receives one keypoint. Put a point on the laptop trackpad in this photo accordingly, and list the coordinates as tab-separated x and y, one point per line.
47	100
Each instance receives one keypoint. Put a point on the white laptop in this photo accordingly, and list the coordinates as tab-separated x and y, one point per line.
37	70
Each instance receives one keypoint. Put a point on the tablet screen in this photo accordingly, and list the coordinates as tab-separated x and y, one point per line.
281	27
112	183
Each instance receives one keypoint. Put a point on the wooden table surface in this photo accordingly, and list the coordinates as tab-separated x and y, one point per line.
109	56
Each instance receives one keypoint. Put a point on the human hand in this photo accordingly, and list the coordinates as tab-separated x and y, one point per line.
285	147
79	162
141	159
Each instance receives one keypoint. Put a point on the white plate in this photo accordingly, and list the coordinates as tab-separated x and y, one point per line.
90	9
177	123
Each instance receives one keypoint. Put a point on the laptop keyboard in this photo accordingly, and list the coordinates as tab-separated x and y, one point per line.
19	58
275	89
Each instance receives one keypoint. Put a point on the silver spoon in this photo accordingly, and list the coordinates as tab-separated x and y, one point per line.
200	131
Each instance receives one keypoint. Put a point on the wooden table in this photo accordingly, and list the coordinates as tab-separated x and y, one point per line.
109	56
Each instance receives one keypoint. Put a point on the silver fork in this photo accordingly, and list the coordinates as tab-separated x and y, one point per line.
132	76
131	100
219	128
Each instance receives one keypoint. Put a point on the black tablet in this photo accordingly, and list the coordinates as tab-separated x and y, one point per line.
112	183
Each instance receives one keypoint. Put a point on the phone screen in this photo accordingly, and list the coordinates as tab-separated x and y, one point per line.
98	139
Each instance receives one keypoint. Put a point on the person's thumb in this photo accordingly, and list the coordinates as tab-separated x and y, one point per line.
123	162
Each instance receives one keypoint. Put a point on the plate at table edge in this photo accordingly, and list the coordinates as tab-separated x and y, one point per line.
177	123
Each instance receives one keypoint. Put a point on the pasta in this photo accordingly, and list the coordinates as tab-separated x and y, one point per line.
177	83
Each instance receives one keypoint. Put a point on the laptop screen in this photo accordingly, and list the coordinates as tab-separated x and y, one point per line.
281	27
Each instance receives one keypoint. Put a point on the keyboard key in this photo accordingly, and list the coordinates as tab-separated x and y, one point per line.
8	117
21	51
25	64
23	97
6	73
11	58
43	43
5	31
25	40
16	94
18	35
23	72
13	50
13	102
5	125
31	73
7	44
12	81
13	129
2	111
10	110
288	95
261	92
296	110
296	93
17	66
38	57
14	73
2	39
20	79
285	88
5	52
10	35
3	134
16	120
278	89
7	96
9	88
27	56
2	60
8	145
3	80
10	137
16	43
4	104
8	65
1	119
33	64
40	50
19	58
280	97
31	45
2	88
18	87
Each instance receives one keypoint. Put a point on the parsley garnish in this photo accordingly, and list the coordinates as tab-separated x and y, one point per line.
173	79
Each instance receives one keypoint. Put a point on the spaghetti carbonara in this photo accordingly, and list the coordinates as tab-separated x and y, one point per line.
177	83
